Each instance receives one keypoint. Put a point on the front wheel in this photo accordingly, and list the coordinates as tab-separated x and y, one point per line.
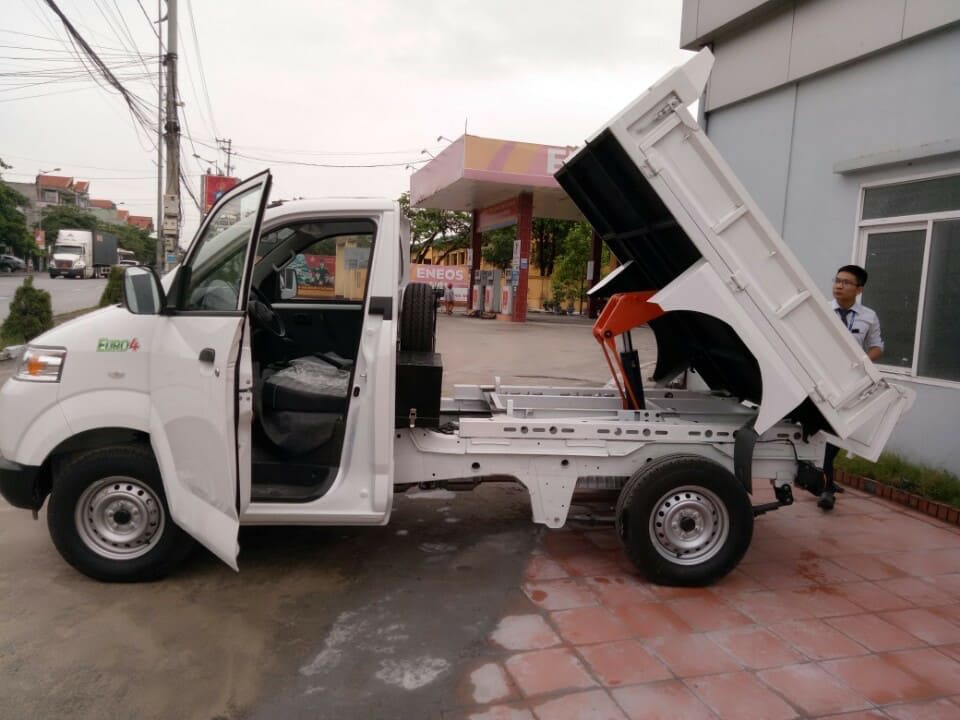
108	516
684	520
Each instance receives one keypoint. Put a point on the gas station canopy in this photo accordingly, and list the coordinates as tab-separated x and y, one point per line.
477	173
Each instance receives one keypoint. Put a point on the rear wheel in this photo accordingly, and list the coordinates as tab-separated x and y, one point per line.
418	319
684	520
108	516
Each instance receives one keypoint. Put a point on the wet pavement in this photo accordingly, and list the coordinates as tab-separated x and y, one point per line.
850	614
462	608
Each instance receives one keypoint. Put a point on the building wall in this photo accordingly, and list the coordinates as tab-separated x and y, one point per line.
787	144
760	46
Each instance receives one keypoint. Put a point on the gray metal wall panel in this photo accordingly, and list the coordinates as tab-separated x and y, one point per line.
798	39
688	22
924	15
717	13
700	19
900	98
754	138
829	32
757	61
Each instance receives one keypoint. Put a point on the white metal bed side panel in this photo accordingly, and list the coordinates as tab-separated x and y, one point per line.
758	269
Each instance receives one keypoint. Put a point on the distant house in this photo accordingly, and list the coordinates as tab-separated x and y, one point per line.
48	190
144	222
841	118
61	190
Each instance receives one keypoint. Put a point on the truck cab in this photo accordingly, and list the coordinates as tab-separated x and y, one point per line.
72	255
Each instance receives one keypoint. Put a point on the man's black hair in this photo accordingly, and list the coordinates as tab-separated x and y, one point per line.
858	272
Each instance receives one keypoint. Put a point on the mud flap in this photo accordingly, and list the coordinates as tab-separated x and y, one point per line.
744	442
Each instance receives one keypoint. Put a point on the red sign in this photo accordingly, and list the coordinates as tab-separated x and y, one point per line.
503	214
213	188
40	236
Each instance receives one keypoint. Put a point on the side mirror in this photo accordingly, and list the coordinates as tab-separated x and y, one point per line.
288	283
142	292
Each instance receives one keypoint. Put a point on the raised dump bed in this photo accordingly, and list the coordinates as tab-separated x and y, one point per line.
740	309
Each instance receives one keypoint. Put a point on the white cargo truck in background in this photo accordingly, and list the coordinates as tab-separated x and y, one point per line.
82	254
231	393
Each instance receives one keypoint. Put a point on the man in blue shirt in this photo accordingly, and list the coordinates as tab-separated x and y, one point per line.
864	324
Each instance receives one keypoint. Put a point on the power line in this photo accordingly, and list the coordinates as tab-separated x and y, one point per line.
303	163
156	31
203	77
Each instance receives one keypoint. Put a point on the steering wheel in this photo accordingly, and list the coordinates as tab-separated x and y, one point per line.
263	314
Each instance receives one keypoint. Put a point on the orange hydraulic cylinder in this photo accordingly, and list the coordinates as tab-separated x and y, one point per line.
622	313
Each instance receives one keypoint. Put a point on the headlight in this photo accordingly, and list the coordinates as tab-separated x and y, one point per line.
40	364
79	264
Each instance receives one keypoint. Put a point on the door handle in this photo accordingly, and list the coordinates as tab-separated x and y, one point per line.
208	355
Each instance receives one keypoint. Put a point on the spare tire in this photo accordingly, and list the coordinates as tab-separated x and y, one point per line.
418	319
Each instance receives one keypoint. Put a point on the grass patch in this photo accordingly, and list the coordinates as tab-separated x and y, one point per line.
927	482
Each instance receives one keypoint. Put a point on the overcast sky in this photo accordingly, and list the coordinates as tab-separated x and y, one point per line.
318	81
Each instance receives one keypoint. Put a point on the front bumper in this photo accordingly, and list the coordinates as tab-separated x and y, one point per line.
19	485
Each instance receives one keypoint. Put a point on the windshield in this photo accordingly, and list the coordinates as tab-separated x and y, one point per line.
68	249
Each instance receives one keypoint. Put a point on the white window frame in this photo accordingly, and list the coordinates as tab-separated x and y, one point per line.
901	223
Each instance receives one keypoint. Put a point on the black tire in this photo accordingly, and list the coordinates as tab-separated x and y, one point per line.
110	482
418	319
685	489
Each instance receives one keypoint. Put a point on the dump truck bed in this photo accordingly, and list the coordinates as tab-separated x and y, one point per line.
740	309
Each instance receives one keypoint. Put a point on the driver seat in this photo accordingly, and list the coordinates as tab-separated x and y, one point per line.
302	402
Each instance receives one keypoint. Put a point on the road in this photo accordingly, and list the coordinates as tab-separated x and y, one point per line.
65	295
320	622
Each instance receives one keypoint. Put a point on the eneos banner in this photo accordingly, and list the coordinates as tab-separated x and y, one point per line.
441	275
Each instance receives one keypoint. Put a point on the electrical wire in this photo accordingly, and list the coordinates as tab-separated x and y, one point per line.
203	77
304	163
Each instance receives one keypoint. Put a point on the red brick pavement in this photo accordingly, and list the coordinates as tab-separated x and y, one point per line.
851	614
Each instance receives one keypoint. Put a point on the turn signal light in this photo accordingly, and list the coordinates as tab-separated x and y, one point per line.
41	364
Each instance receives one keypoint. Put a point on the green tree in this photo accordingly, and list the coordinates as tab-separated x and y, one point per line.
58	217
498	247
113	292
569	279
31	314
13	226
546	239
441	230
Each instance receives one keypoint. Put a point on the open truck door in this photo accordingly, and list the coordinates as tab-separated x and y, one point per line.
739	307
200	381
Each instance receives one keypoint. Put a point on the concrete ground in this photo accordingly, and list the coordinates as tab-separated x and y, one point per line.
461	608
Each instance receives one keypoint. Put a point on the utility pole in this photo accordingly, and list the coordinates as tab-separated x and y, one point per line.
171	198
159	227
228	150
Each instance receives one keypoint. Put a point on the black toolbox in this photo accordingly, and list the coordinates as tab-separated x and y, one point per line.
419	381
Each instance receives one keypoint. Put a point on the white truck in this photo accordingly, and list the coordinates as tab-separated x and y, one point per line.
218	396
72	254
82	254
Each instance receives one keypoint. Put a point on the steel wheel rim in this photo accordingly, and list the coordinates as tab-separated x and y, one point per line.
689	525
120	518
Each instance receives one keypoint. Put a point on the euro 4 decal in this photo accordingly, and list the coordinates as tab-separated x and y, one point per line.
107	345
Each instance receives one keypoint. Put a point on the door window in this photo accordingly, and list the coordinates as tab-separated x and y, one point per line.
213	274
328	260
